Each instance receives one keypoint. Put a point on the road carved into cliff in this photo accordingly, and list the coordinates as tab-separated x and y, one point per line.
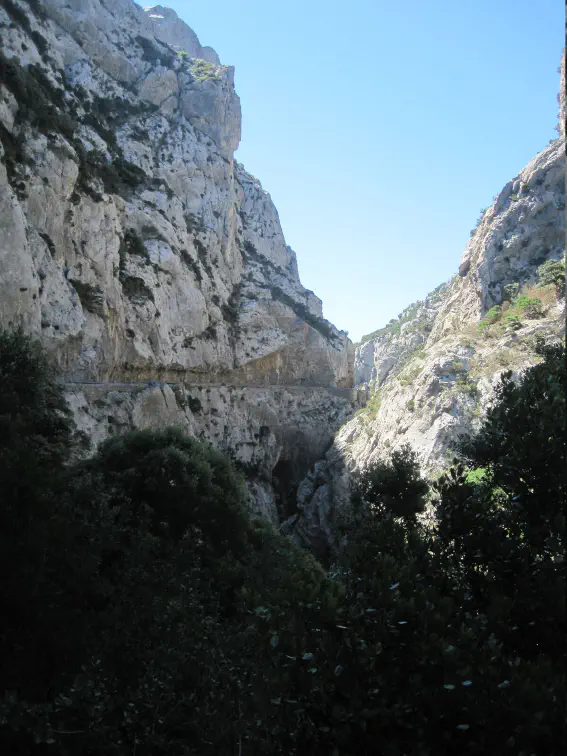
347	393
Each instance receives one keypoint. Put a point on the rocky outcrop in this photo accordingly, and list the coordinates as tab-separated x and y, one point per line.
522	229
429	376
383	353
150	263
169	28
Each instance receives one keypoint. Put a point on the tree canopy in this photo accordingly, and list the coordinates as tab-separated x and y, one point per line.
146	612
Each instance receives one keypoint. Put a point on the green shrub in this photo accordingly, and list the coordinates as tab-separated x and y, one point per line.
511	291
465	385
477	475
530	307
372	407
479	220
512	322
493	315
190	628
482	327
523	306
396	486
552	272
409	375
319	324
202	70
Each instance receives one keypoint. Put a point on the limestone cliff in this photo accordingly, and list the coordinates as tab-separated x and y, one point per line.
429	375
150	263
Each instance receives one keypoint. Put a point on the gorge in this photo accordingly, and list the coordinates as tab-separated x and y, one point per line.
154	270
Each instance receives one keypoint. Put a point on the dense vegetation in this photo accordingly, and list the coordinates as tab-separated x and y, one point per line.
145	613
529	302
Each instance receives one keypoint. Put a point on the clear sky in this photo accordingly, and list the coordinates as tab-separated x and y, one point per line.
382	127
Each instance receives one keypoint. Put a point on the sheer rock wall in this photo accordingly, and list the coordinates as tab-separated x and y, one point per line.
152	266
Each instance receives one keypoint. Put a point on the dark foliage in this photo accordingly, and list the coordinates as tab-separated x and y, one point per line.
17	14
14	158
131	244
154	54
203	257
116	176
231	311
34	419
552	272
395	488
509	528
192	265
179	480
523	437
194	404
20	18
44	106
146	613
41	104
36	438
319	324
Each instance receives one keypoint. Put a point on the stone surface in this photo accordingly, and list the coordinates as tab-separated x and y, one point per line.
154	269
562	96
150	263
169	28
429	377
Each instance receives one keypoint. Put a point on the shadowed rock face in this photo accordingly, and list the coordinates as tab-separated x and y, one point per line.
150	263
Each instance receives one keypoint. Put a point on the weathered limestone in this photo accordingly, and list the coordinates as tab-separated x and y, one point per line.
140	251
430	376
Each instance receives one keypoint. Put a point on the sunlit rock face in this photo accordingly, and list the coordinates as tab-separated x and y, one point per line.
170	29
152	266
154	269
429	376
562	96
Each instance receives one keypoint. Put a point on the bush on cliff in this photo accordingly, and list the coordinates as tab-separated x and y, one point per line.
552	272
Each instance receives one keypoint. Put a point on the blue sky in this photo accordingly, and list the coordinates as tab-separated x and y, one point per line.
381	128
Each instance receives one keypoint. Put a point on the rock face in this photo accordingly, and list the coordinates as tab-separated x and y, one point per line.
429	376
562	96
154	269
150	263
169	28
383	352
